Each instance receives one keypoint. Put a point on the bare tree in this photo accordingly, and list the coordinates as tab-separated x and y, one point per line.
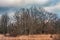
4	21
33	21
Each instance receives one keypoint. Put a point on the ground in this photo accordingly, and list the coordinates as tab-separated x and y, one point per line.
29	37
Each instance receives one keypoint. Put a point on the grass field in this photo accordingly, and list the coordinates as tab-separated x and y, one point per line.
29	37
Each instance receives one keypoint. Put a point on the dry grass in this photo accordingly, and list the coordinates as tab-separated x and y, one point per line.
28	37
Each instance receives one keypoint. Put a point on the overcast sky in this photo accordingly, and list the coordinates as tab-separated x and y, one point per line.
21	2
48	5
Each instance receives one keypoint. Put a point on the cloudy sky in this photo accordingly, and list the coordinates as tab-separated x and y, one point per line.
48	5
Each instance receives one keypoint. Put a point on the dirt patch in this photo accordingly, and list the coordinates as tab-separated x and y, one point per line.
28	37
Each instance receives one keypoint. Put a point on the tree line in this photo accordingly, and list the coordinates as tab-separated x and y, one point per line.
29	22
